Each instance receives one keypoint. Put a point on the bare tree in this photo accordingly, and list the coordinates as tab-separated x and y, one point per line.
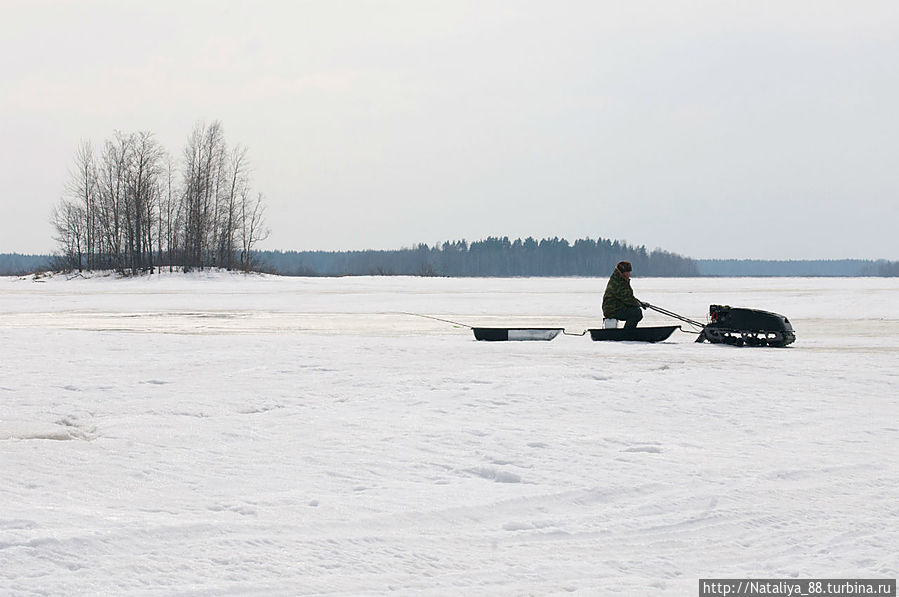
203	166
252	228
144	157
69	223
170	210
82	190
238	185
111	204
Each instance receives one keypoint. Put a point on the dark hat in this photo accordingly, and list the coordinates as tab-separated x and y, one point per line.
624	266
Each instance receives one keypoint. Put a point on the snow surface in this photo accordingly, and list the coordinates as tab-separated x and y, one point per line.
221	434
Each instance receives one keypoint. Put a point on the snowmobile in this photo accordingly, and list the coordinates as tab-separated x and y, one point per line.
750	327
740	327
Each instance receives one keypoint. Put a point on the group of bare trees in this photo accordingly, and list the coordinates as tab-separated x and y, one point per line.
129	207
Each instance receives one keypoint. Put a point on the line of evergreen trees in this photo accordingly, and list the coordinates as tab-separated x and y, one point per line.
888	269
131	207
493	257
797	267
410	262
16	264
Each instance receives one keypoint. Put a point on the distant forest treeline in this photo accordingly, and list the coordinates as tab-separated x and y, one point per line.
797	268
14	264
499	257
493	257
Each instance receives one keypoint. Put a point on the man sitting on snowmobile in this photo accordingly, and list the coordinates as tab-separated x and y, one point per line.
619	301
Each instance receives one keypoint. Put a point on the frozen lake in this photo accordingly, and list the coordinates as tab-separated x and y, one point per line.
215	434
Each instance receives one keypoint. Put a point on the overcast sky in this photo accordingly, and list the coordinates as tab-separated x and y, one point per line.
755	129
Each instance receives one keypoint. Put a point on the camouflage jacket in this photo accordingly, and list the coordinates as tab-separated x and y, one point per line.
618	295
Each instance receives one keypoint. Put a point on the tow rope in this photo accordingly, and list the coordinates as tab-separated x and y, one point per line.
692	322
464	325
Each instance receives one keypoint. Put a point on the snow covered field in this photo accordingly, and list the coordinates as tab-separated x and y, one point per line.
216	434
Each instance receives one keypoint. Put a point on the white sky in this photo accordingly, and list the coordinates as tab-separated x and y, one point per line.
756	129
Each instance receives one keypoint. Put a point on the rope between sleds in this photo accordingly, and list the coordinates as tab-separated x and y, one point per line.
567	333
464	325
